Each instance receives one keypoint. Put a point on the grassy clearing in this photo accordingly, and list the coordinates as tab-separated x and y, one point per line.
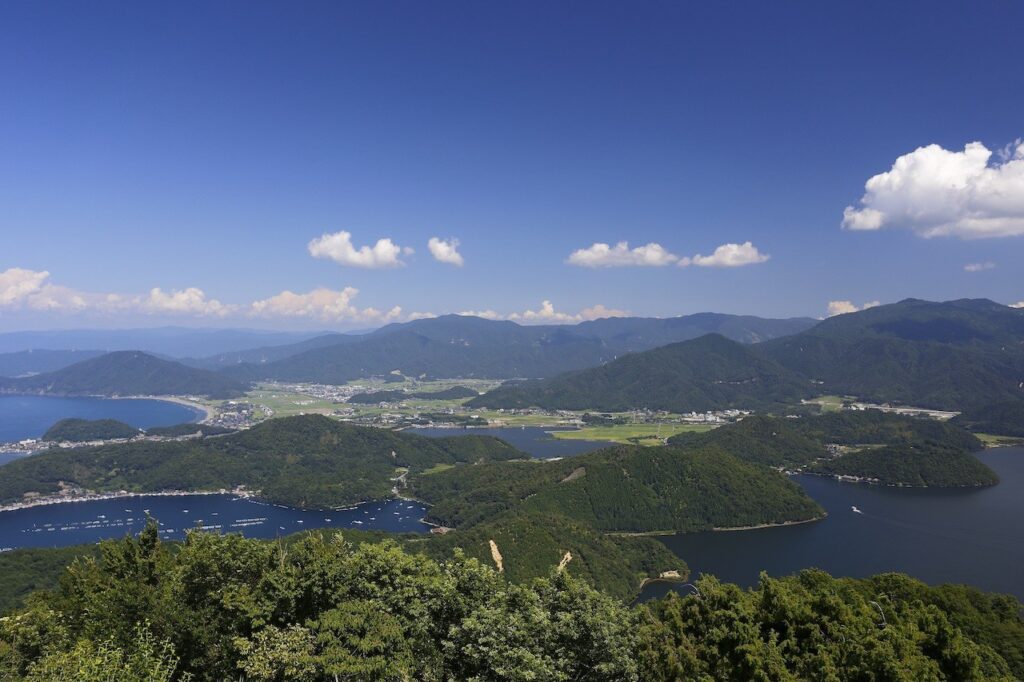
629	434
438	468
828	403
992	440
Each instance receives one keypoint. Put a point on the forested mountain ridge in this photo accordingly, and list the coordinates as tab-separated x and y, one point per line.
465	346
127	373
708	373
956	355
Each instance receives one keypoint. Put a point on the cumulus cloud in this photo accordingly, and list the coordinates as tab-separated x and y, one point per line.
980	267
190	301
728	256
843	307
18	284
445	251
486	314
338	247
322	304
1017	305
600	255
547	314
420	316
938	192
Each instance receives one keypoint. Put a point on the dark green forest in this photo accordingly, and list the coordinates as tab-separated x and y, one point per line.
77	430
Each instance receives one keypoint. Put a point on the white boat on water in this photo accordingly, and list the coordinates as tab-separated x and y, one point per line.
855	510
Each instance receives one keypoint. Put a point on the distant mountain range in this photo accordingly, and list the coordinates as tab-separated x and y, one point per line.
125	373
176	342
464	346
952	355
25	362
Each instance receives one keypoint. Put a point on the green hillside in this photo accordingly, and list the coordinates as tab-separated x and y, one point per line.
1004	419
708	373
921	465
307	461
74	429
623	488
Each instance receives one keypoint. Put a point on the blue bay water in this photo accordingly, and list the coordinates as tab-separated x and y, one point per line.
76	523
973	536
29	416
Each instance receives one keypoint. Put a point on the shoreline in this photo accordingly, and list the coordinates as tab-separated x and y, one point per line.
205	413
770	525
123	494
665	533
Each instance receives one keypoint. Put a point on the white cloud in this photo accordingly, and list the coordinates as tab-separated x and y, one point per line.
18	284
1017	305
420	316
338	247
322	304
937	192
445	251
600	255
843	307
728	256
548	315
190	301
980	267
486	314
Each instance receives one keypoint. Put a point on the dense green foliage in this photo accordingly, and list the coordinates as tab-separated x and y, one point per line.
74	429
305	461
813	626
187	429
772	441
230	608
912	464
709	373
623	488
531	543
1004	419
320	608
464	346
127	373
874	427
920	452
954	355
23	571
779	441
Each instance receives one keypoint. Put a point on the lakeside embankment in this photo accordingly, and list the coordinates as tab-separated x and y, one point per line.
116	495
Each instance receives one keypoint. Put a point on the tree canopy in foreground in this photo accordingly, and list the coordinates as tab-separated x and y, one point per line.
321	608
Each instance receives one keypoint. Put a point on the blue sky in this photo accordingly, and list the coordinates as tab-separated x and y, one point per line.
201	148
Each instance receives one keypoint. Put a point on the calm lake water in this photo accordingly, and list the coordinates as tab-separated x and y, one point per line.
939	536
29	416
75	523
531	439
